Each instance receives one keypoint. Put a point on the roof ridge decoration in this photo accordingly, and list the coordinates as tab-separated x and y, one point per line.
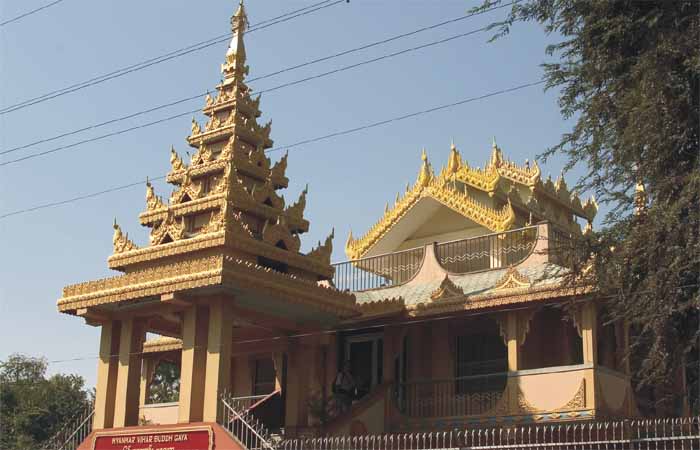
500	177
322	253
121	241
512	279
447	289
440	189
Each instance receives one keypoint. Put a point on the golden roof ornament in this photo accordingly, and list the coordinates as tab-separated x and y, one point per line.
234	68
196	129
454	162
447	289
175	160
425	175
322	253
640	198
153	202
121	242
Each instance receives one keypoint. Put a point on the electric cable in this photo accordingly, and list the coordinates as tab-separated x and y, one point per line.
159	59
302	142
29	13
277	72
274	88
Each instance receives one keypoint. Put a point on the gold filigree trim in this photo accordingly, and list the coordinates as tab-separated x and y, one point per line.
386	306
322	252
512	279
121	242
447	289
442	190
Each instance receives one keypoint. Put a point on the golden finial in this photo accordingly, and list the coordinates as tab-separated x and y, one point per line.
386	208
454	162
425	175
496	157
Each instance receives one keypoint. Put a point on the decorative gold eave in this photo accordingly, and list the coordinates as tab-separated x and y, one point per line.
381	308
248	134
225	271
501	298
213	202
440	190
162	344
208	241
227	102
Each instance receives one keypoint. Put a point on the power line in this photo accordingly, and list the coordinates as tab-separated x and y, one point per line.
166	57
306	141
277	72
29	13
281	86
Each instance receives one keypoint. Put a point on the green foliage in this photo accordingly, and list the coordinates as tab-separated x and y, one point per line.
165	384
33	407
629	75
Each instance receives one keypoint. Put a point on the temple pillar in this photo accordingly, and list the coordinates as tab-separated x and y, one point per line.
295	409
218	358
194	360
126	407
107	366
511	333
589	333
589	337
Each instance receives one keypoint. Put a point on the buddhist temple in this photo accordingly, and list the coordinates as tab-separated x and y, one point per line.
456	308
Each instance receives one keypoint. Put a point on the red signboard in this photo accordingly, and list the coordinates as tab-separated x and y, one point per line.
155	439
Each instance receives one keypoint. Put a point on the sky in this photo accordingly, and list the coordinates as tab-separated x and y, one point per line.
350	177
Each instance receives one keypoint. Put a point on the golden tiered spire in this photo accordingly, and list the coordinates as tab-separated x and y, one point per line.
228	191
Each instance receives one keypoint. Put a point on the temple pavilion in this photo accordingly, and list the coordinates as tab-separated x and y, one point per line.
456	308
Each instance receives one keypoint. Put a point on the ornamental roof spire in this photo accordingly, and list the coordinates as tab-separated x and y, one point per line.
234	67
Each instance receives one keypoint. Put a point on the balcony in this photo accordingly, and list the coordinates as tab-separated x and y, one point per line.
492	251
575	392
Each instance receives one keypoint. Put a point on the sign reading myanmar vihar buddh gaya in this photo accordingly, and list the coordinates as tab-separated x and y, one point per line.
200	438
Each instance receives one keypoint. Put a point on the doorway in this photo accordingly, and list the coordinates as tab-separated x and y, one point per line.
365	354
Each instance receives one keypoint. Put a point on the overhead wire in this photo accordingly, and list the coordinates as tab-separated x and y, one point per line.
277	72
166	57
308	141
274	88
29	13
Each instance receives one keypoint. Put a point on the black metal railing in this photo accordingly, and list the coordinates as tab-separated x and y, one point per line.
492	251
461	396
623	434
566	249
74	432
378	271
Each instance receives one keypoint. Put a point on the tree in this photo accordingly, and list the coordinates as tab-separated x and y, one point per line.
165	384
628	72
32	406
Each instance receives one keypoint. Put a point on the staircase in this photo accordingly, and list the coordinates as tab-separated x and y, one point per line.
238	419
73	432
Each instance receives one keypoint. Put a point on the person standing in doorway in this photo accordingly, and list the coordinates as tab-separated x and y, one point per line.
344	388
